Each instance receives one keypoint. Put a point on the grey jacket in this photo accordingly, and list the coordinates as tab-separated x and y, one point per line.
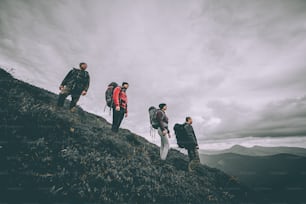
162	120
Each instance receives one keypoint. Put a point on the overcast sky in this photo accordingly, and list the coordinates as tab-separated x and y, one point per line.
237	67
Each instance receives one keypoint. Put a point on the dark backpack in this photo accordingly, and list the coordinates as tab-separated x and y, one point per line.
109	94
153	120
181	135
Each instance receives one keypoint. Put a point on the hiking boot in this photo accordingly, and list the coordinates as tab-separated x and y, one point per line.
72	110
190	170
115	131
193	165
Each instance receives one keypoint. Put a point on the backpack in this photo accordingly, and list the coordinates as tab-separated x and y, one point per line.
109	94
181	135
153	120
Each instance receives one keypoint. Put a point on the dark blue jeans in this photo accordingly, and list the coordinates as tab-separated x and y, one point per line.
117	119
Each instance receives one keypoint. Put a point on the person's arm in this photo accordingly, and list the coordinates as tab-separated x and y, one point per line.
159	118
87	82
195	138
116	97
126	111
86	86
67	77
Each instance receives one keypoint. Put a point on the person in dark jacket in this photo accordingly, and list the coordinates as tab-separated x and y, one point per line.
76	83
191	145
163	130
120	109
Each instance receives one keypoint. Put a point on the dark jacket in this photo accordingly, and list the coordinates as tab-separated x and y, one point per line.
162	120
77	80
191	137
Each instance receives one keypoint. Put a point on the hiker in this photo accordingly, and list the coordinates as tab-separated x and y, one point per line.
191	145
119	105
163	130
76	83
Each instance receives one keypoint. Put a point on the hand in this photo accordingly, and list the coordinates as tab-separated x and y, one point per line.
61	87
126	115
117	108
84	93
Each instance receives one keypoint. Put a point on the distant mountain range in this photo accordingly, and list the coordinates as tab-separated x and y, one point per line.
259	151
279	178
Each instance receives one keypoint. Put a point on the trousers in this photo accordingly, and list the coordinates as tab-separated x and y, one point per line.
75	96
117	119
194	158
164	145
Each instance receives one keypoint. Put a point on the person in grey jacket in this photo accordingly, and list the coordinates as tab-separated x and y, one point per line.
191	145
163	130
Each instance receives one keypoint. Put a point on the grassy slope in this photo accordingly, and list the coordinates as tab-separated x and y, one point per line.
50	154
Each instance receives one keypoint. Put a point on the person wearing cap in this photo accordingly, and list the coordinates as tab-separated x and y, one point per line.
163	130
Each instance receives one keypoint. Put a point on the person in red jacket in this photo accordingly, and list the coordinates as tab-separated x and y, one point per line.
120	105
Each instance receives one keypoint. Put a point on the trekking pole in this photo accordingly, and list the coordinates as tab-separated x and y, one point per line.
110	111
152	133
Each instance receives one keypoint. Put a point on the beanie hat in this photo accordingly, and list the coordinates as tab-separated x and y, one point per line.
162	105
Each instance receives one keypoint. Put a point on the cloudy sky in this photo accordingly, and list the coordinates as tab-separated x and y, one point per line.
237	67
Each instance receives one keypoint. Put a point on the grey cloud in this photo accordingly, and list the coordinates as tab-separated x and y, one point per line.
286	118
218	61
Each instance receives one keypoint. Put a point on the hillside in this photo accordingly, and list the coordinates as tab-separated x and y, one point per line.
279	178
51	155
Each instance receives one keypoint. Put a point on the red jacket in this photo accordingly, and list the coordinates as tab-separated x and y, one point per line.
120	98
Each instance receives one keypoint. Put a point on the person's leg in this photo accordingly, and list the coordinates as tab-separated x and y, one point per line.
61	99
161	150
189	154
62	96
164	147
74	99
120	117
115	120
193	154
195	159
197	156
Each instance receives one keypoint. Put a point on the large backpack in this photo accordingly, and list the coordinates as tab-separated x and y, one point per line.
109	94
153	119
181	135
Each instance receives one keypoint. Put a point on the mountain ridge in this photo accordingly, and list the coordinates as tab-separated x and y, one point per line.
279	178
259	151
